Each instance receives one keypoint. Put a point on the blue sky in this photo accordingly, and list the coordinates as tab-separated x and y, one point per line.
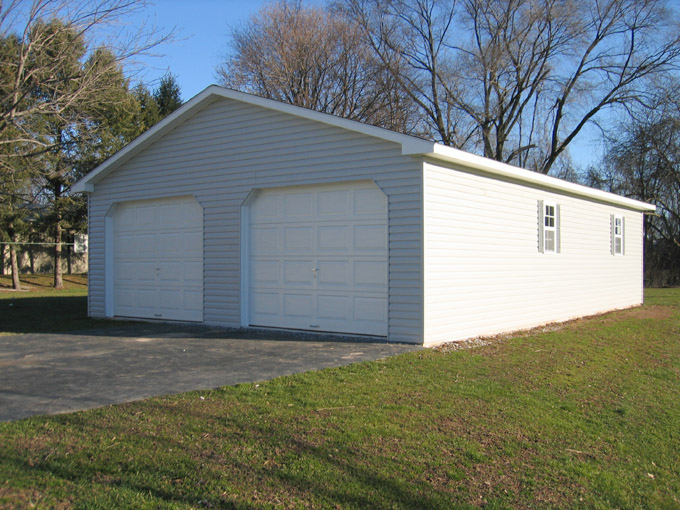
201	30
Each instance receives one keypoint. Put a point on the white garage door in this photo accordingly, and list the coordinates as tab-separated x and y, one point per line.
158	260
318	259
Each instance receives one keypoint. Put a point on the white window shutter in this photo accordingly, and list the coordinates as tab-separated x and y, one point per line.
557	228
541	211
623	236
612	230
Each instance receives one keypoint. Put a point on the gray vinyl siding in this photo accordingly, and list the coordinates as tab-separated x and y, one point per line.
230	148
484	273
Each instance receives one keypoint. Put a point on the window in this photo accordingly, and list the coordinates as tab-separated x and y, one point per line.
617	231
548	227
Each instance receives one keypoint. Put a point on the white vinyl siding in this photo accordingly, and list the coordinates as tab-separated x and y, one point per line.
483	273
228	149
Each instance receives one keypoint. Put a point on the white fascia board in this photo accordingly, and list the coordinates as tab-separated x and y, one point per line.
473	161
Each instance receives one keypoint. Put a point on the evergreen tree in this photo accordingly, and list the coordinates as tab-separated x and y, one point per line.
167	95
148	108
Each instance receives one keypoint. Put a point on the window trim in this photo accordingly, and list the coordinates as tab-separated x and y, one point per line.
542	228
547	228
621	235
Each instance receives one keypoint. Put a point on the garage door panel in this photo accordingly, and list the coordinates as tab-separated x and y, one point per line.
145	272
170	272
298	238
334	203
298	305
268	207
370	274
192	214
125	244
125	272
265	240
193	301
333	273
370	238
125	218
193	273
147	245
171	300
266	272
147	216
333	238
310	264
333	307
171	243
158	260
370	309
170	216
192	243
298	272
264	304
298	205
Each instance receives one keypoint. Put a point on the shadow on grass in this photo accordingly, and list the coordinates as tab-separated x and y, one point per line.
250	466
45	314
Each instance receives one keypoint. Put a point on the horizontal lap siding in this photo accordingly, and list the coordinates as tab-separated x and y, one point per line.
483	273
230	148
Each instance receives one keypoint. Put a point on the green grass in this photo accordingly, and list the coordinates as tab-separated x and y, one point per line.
39	308
587	416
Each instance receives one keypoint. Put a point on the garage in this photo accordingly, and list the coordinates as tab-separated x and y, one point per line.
311	222
318	258
158	259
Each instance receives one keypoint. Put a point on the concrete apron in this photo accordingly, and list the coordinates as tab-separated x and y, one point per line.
64	372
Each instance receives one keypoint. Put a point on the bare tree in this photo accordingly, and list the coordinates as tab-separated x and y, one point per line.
56	61
34	51
518	80
643	162
310	57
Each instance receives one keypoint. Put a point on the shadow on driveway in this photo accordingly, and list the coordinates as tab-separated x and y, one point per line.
61	372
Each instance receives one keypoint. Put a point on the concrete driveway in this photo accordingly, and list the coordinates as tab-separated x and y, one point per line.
57	373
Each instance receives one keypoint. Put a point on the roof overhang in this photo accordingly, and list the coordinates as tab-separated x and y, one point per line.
410	146
503	170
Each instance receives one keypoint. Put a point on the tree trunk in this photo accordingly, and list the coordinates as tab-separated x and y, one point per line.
69	263
16	283
58	282
2	260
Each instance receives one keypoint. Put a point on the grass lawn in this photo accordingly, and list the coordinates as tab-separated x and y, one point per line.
582	416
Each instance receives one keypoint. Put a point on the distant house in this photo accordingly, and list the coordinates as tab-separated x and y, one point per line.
239	211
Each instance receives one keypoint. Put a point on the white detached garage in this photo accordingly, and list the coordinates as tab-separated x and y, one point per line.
239	211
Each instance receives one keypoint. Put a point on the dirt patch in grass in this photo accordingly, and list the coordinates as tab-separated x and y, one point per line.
659	313
640	312
28	498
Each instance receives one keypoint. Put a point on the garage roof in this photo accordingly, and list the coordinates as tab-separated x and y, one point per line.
410	145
